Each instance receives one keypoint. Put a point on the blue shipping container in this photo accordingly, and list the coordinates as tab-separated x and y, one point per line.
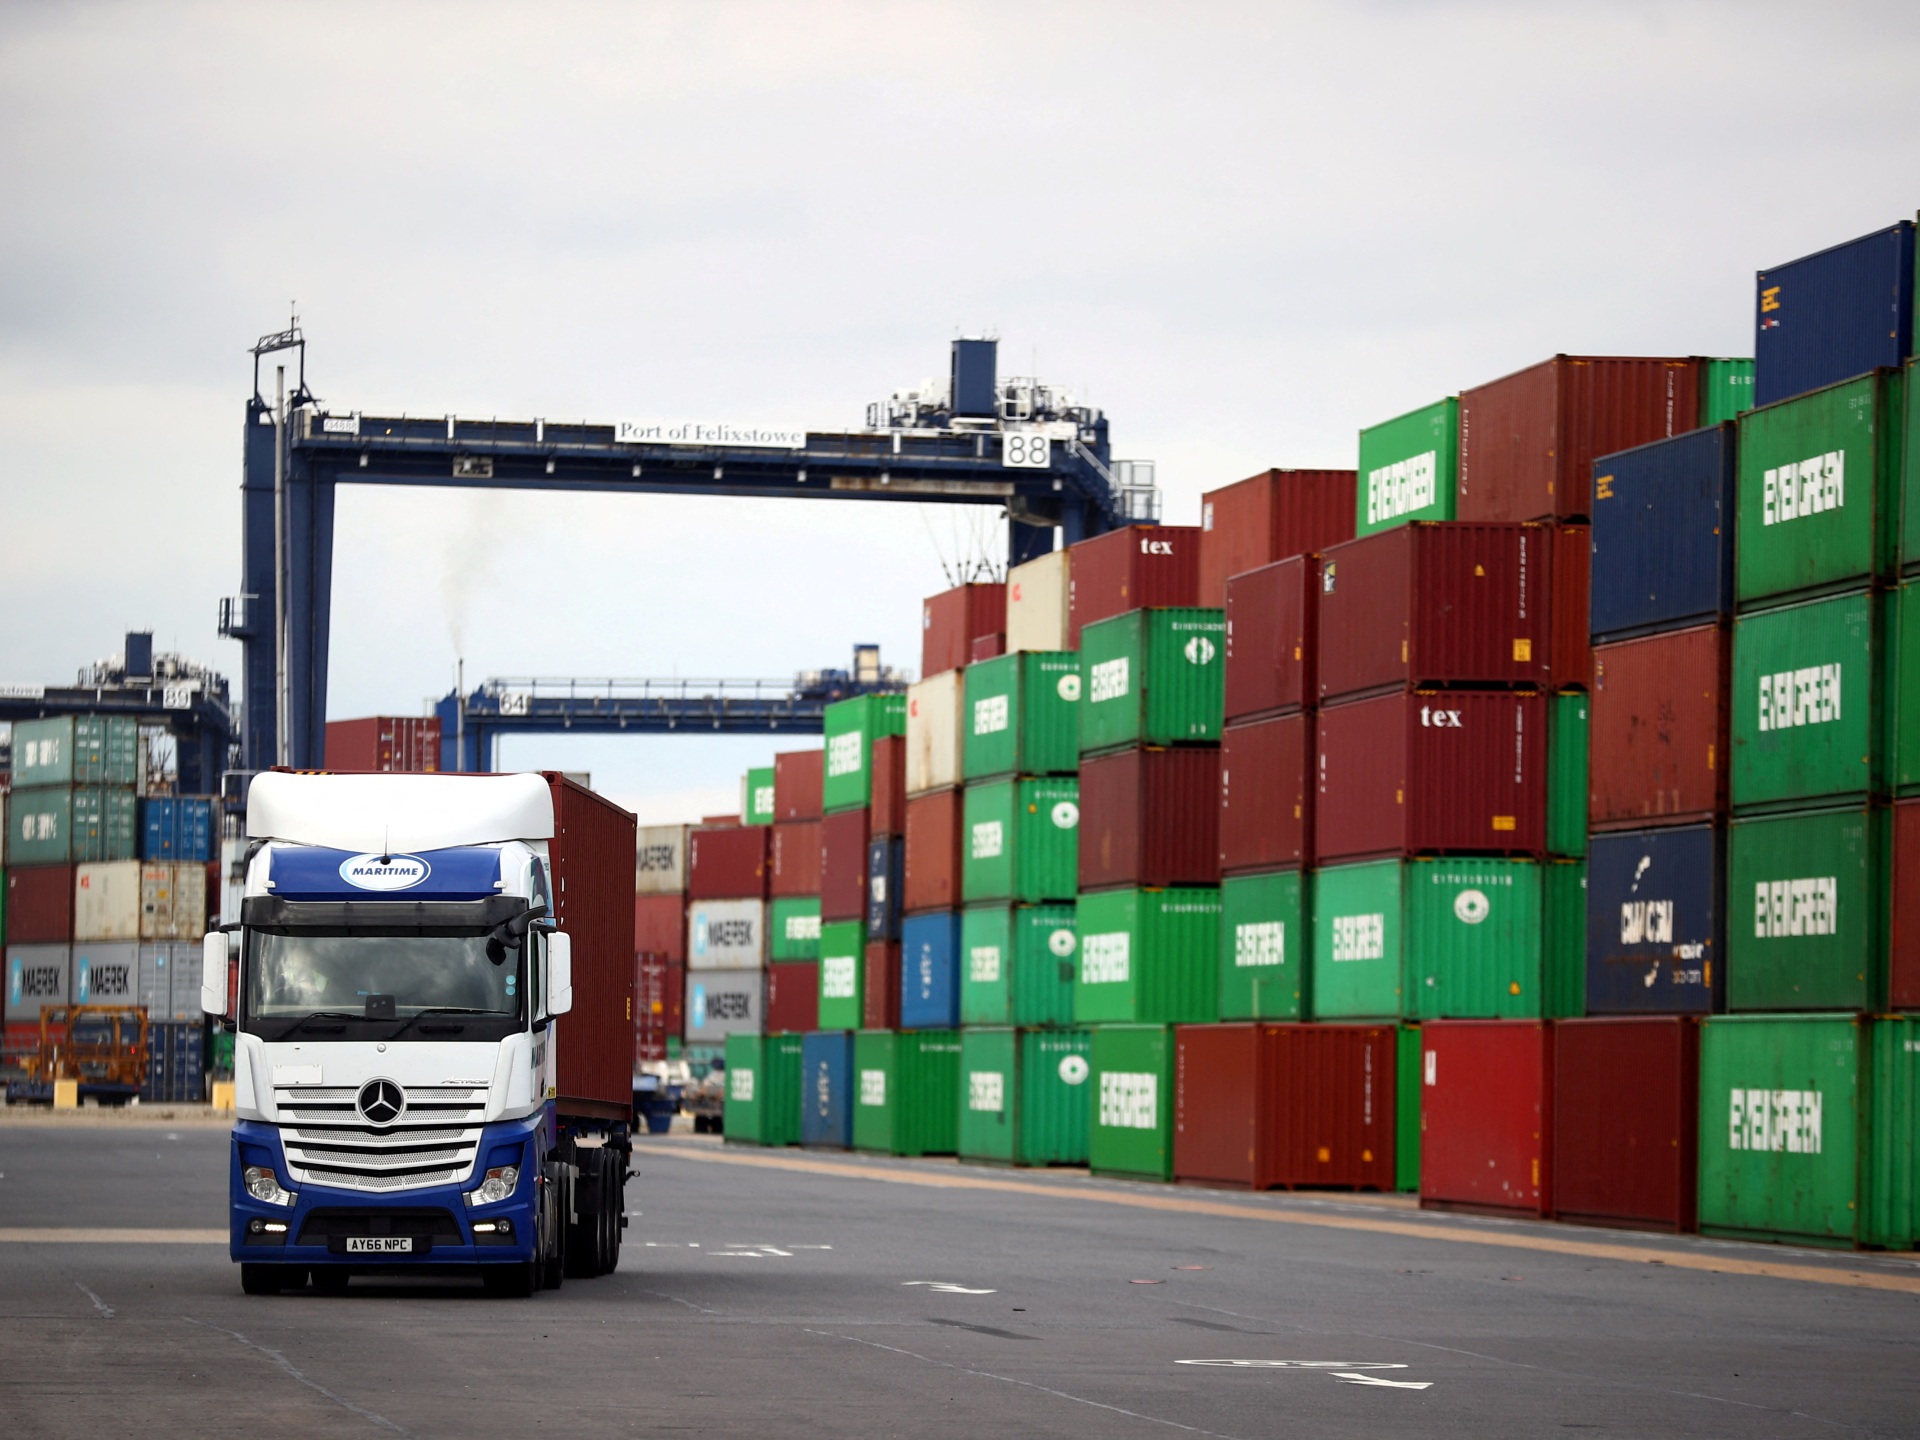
1831	316
930	971
1657	922
1663	534
826	1089
176	829
176	1063
886	874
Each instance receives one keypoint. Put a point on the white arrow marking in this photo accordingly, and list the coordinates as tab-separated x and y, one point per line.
1347	1378
1300	1364
942	1287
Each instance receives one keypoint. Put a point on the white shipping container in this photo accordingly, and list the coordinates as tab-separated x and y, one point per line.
726	934
1037	597
722	1003
36	975
173	901
170	980
660	860
106	973
106	900
934	733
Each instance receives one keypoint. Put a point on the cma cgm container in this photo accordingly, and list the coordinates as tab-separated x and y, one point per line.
793	997
1266	794
842	969
1147	955
1021	715
1021	839
852	728
1657	729
1274	515
728	864
1037	604
1264	946
1017	964
794	858
906	1098
934	733
1409	467
1272	628
1486	1116
1657	922
930	971
1023	1096
1152	677
387	744
1828	316
763	1089
826	1089
1134	568
953	619
1131	1134
843	866
1807	901
1150	817
796	784
1626	1098
1528	441
933	852
1663	534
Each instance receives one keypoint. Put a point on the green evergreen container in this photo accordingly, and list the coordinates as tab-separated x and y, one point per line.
1358	941
851	728
1910	464
1022	715
1807	903
1017	964
1023	1096
794	933
756	796
1263	946
1152	677
76	750
1563	947
1812	714
1567	775
1131	1129
62	824
1021	839
843	975
906	1091
1409	468
1726	390
1819	495
1149	956
1407	1076
1905	682
762	1105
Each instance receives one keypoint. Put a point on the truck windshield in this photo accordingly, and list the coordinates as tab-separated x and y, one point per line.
366	983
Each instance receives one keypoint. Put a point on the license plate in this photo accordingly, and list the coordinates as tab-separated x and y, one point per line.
380	1244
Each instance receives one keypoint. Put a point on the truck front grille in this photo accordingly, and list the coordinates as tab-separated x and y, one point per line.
327	1143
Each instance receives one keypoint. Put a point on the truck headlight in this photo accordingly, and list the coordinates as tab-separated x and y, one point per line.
498	1184
264	1185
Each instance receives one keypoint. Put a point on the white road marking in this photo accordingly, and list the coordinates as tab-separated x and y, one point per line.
1346	1379
51	1235
1299	1364
288	1366
943	1287
106	1310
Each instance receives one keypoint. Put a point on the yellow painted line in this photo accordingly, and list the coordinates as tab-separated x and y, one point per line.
1183	1204
52	1235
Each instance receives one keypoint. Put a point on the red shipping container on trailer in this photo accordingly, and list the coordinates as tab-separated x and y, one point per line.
889	799
1432	772
880	988
843	866
793	997
591	860
933	852
660	925
951	620
1570	652
728	864
1136	567
1272	615
1657	730
1266	794
659	1000
796	858
389	744
1148	817
1272	516
39	904
1435	603
797	779
1486	1116
1626	1101
1904	946
1528	441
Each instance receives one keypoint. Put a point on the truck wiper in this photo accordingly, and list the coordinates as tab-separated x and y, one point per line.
317	1015
443	1010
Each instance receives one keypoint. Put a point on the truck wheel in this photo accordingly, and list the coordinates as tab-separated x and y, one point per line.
270	1279
551	1251
510	1282
584	1239
329	1279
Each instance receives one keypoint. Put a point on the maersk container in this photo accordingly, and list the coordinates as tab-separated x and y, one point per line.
1021	840
826	1089
1023	1096
852	727
906	1096
1148	955
1626	1096
1272	628
1486	1116
1657	729
1663	534
1834	314
1266	794
1818	505
1152	677
930	971
886	884
1150	817
1273	515
1136	567
1263	946
1017	965
106	973
724	1002
1021	715
1657	922
660	859
1807	908
1131	1130
726	934
842	970
935	729
37	975
1408	468
1726	390
77	750
756	797
794	932
762	1105
54	824
1567	726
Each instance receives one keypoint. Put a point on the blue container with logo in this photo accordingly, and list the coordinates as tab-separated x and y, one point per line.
930	971
1831	316
886	874
1663	534
176	828
1657	922
826	1089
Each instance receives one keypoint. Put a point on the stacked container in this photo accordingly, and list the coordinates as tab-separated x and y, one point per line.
794	879
660	940
727	888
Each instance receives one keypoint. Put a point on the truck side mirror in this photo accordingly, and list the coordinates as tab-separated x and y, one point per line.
559	973
215	952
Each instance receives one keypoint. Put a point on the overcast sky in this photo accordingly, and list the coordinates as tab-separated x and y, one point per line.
1243	231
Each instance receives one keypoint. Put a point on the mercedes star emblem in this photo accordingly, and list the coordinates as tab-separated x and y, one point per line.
381	1102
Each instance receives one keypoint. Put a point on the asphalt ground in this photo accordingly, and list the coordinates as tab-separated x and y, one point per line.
789	1292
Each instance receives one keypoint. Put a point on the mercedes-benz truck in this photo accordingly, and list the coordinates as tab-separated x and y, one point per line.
431	992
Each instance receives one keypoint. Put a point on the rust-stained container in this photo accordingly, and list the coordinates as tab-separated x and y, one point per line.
387	744
1149	818
1904	971
1657	730
1272	615
889	803
1626	1103
843	866
1570	607
795	858
659	1003
1435	603
591	857
932	880
1528	441
1270	1106
1266	794
728	863
1432	772
797	779
793	997
1272	516
39	904
660	926
950	621
1137	567
1486	1116
880	994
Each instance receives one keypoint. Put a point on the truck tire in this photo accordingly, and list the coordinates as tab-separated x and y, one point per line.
585	1239
270	1279
511	1282
551	1250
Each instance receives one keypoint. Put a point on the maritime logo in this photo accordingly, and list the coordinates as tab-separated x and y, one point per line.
1066	815
1062	941
1200	651
1074	1069
1470	907
384	872
381	1102
1069	687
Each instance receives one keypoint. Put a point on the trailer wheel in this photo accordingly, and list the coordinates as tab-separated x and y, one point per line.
511	1282
270	1279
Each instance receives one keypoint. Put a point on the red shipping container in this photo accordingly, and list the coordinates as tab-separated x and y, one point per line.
797	778
1432	772
1266	794
389	744
720	822
1269	1106
591	856
1570	653
728	864
793	997
1657	730
889	785
39	904
1486	1116
1148	817
933	852
880	987
1272	618
1528	441
1133	568
796	857
660	925
843	866
1434	604
1274	515
950	620
1905	943
1626	1101
17	1042
987	647
659	1000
